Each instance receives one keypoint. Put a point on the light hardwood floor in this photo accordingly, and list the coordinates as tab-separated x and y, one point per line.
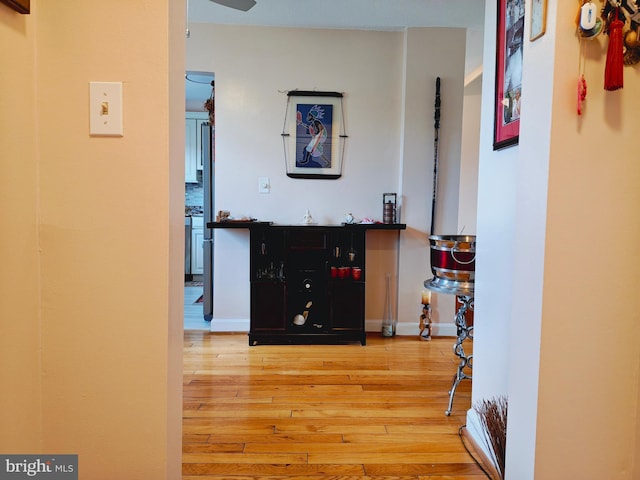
322	412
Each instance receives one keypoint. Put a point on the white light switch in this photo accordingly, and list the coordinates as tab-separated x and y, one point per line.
105	108
264	186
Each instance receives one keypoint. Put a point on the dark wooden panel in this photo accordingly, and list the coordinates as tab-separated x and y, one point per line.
267	306
21	6
346	299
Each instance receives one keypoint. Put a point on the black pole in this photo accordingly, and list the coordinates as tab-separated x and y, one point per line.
435	156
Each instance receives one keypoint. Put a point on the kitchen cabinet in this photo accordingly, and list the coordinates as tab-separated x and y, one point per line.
197	249
193	144
307	281
187	248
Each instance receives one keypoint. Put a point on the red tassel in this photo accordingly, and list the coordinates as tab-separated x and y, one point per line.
613	72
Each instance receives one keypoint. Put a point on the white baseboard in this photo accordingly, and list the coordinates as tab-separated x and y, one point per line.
241	325
413	328
444	329
473	433
474	428
236	325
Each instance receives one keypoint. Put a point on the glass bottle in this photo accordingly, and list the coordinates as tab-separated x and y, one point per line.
388	325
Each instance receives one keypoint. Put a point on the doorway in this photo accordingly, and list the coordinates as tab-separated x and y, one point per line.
199	188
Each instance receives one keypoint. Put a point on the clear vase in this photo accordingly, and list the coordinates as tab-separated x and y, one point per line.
388	324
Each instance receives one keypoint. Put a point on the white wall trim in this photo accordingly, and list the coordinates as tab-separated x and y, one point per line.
408	329
240	325
413	328
474	427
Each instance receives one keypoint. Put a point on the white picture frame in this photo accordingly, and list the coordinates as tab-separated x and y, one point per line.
538	19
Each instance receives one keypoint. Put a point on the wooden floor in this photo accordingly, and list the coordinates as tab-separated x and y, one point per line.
322	412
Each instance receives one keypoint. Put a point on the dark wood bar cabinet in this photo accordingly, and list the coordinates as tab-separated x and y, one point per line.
307	281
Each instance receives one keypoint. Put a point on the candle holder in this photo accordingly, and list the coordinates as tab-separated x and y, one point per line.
425	317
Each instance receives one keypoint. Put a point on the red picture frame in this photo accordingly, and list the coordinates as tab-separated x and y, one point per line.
509	44
20	6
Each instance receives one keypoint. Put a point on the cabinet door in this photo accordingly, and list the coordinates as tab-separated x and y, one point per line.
267	307
346	299
197	251
191	147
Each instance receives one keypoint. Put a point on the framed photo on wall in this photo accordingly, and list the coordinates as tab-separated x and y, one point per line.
313	134
508	98
538	19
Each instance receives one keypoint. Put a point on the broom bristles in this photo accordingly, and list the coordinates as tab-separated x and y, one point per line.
493	416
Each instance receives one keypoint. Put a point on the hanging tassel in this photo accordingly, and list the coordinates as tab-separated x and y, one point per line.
582	93
613	72
582	82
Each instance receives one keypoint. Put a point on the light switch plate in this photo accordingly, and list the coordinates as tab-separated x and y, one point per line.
105	108
264	185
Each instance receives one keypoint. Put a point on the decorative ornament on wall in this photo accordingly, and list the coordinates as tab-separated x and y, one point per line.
210	105
589	25
619	20
588	22
628	13
613	70
313	134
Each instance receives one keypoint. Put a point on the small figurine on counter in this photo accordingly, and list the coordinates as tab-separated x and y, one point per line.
223	216
307	218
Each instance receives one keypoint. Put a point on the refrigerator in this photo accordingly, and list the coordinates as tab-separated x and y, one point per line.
208	177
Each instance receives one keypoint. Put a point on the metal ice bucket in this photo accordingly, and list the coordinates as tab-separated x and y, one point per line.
453	263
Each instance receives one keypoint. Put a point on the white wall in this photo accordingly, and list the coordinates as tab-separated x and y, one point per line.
555	326
21	340
525	319
468	194
496	223
90	287
512	189
588	309
254	67
424	63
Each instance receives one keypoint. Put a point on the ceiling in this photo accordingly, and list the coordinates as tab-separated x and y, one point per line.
197	90
390	15
358	14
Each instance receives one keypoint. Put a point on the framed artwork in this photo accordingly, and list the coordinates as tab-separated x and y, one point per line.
538	19
510	31
313	134
20	6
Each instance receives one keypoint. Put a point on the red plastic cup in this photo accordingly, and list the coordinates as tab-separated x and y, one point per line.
356	273
344	272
